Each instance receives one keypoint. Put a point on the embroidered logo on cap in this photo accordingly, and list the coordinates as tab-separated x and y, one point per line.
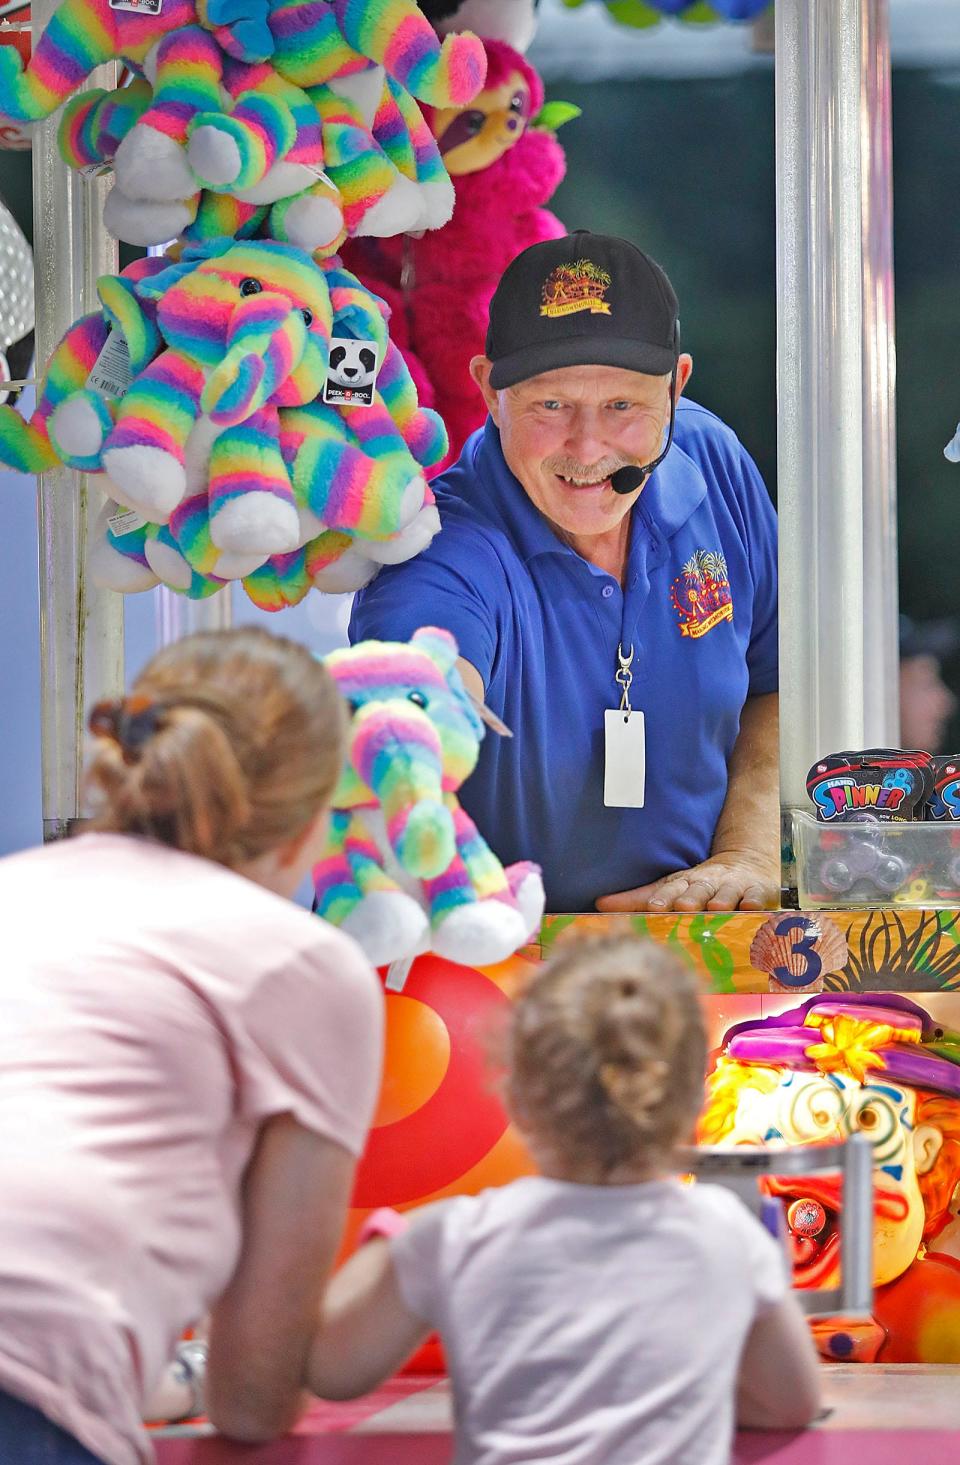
701	593
573	287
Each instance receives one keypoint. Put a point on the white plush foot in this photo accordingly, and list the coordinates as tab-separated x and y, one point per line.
479	934
363	88
75	429
150	165
350	572
139	222
531	898
237	566
388	925
168	564
283	180
436	204
148	479
952	451
213	156
256	523
397	212
408	542
110	569
312	223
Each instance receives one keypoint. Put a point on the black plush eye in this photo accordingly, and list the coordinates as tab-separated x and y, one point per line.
250	287
307	318
417	698
518	103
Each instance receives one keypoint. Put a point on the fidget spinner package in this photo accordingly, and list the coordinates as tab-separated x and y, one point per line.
872	842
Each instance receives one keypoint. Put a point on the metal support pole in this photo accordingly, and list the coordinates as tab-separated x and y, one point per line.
835	383
81	626
880	588
177	616
819	334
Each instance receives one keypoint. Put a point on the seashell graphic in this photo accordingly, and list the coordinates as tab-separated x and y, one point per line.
797	950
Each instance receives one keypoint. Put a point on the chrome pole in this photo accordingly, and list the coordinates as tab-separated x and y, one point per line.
835	373
880	597
81	626
819	376
177	616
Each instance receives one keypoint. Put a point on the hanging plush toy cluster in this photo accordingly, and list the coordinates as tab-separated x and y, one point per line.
506	163
240	395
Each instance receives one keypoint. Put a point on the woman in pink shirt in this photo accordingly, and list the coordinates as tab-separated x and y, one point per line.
188	1061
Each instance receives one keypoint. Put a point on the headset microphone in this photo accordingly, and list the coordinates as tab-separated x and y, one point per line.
625	480
629	478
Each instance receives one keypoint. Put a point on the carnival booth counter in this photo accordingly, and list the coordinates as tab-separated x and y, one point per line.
312	473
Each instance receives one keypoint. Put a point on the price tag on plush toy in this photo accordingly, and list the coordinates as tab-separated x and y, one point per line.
352	374
111	375
148	7
125	521
624	759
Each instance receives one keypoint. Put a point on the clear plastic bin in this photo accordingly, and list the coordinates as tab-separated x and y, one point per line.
849	866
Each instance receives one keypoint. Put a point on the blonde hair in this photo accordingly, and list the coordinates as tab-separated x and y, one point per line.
606	1056
229	745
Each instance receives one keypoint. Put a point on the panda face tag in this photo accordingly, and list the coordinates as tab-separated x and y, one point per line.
352	374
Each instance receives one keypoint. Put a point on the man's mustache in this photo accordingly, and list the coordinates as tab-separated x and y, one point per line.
592	472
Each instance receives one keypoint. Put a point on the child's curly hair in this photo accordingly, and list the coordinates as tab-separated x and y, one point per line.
606	1056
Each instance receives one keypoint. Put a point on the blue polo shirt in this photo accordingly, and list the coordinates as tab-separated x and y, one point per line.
542	627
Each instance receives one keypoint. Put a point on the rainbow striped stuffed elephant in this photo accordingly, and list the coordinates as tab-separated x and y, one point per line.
406	870
229	107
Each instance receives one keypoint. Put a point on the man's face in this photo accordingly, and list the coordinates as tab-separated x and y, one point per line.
815	1108
564	432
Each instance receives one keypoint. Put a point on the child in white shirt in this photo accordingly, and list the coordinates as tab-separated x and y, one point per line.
602	1311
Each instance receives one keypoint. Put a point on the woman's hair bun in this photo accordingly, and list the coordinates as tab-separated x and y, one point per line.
230	743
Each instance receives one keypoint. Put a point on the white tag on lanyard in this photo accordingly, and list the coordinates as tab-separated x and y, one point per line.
624	746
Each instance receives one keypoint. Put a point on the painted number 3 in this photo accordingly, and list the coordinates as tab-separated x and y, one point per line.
805	937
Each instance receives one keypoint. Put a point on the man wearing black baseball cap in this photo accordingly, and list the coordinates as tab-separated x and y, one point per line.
608	567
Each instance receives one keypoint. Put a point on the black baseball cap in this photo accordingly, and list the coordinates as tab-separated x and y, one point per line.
583	300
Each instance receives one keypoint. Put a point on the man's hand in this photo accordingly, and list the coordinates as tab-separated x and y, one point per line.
743	871
725	882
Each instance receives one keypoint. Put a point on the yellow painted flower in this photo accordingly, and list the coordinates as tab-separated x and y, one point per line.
851	1045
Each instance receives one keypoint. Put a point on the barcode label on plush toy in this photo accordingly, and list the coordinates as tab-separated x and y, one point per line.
125	521
148	7
352	373
111	375
94	170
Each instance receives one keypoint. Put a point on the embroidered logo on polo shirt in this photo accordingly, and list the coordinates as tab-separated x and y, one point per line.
701	593
573	287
